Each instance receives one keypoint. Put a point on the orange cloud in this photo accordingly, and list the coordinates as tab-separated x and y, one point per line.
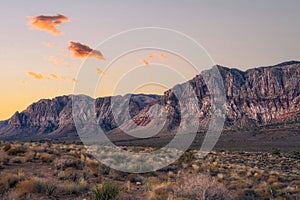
150	56
48	23
101	72
38	76
54	76
145	62
83	51
48	44
160	55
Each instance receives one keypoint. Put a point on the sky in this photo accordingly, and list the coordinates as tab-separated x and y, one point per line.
44	43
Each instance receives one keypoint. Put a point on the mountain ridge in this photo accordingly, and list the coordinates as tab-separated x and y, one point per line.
256	97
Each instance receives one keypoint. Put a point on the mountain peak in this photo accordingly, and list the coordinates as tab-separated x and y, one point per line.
255	97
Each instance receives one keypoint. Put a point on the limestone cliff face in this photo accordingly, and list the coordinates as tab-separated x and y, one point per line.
54	117
256	97
262	96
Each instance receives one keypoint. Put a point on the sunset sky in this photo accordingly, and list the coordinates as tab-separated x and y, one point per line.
43	43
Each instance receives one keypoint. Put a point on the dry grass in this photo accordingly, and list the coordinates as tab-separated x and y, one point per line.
45	157
201	187
9	180
6	146
29	156
160	192
107	191
26	187
68	161
70	187
4	160
17	159
70	172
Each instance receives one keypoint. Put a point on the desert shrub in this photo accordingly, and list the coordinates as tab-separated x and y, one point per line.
152	182
74	153
9	180
249	195
295	182
6	147
71	174
187	157
133	178
45	157
103	169
4	160
68	161
70	187
16	150
29	186
49	189
201	187
108	191
93	166
278	185
29	156
276	151
21	174
158	189
161	192
17	159
272	179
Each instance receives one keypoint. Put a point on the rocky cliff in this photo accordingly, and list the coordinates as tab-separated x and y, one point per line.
257	97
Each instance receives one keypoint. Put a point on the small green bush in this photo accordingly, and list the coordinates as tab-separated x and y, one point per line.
107	192
187	157
50	189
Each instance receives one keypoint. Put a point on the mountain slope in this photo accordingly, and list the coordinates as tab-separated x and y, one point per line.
255	98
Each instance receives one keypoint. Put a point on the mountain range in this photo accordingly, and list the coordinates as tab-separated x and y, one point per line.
256	98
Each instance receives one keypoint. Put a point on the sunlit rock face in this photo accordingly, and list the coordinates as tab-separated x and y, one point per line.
254	98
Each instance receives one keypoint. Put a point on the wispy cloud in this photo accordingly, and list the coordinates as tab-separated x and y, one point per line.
54	76
39	76
100	71
145	62
48	44
48	23
157	55
80	50
162	56
153	56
